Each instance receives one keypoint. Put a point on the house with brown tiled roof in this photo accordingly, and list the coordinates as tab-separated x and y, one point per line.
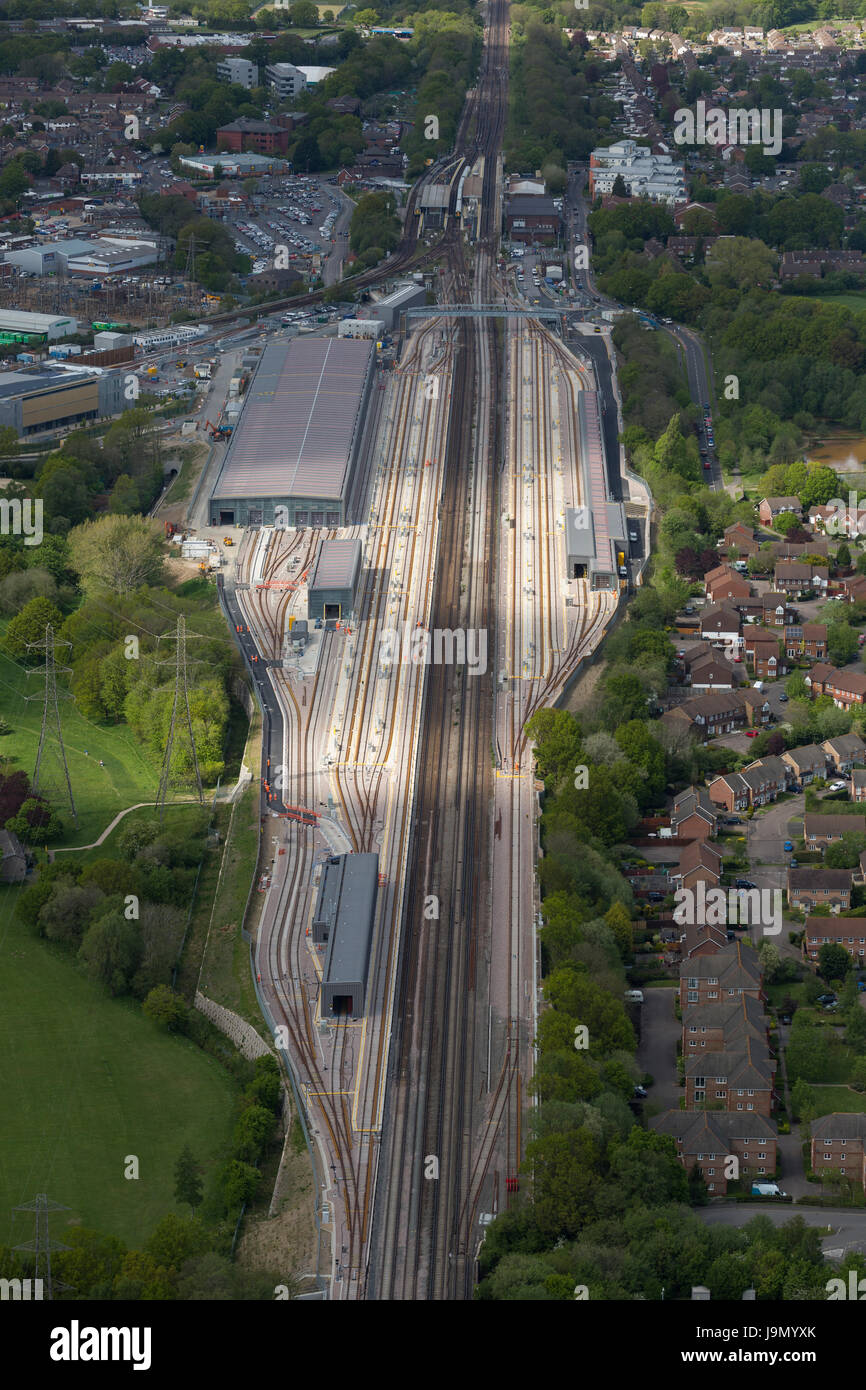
771	507
820	830
807	762
730	792
720	624
811	888
844	751
726	585
699	863
726	975
707	716
793	578
716	1027
849	932
693	815
761	650
741	1080
706	1140
839	1146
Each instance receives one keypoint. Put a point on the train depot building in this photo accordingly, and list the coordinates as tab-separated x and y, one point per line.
292	456
333	586
343	923
595	532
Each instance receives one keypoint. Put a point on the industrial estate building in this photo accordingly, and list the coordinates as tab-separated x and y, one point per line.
333	586
75	256
297	438
594	533
239	71
55	398
42	328
389	309
231	166
343	922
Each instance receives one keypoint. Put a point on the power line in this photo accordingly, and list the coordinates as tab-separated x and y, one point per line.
42	1244
51	708
180	691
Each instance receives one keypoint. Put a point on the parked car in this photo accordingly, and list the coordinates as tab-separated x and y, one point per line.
786	1018
744	883
788	846
783	698
733	820
828	998
751	733
838	786
641	1092
635	995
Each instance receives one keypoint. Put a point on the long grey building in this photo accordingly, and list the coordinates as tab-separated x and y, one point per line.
296	441
333	586
594	532
52	398
343	922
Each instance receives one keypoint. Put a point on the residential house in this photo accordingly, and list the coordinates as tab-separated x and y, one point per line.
693	815
776	609
740	538
742	1080
807	763
730	792
792	577
858	785
855	588
728	974
724	583
13	865
699	863
820	830
708	716
849	932
766	778
839	1146
810	888
711	671
771	507
761	650
698	939
819	517
844	751
705	1140
712	1027
815	641
848	688
757	707
720	624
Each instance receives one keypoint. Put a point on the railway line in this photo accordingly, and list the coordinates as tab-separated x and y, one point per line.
416	1111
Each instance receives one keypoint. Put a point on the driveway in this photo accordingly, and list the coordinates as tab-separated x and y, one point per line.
768	862
657	1052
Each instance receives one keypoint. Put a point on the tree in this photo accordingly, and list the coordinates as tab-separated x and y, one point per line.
239	1183
117	553
166	1008
110	952
29	626
304	14
834	961
841	643
188	1188
804	1101
618	188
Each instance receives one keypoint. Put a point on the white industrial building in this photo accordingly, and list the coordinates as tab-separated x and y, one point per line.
240	71
75	256
288	81
648	175
361	328
389	308
50	327
232	166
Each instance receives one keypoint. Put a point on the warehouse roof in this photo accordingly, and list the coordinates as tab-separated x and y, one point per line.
16	319
347	902
295	433
337	565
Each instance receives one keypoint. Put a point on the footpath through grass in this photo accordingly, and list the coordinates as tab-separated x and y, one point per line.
86	1080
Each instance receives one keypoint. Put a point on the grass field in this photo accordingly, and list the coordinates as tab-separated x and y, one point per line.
87	1080
851	299
839	1098
100	792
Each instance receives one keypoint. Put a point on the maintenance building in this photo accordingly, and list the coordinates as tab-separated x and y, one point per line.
343	922
298	436
41	328
57	398
389	309
333	585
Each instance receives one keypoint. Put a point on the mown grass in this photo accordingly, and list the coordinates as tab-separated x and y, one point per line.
87	1080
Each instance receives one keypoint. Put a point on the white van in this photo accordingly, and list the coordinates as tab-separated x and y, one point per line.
635	995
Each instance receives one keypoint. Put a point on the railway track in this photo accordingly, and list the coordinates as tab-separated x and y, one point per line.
424	1201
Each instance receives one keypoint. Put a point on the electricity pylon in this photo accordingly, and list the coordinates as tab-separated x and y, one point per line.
180	691
42	1244
51	708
